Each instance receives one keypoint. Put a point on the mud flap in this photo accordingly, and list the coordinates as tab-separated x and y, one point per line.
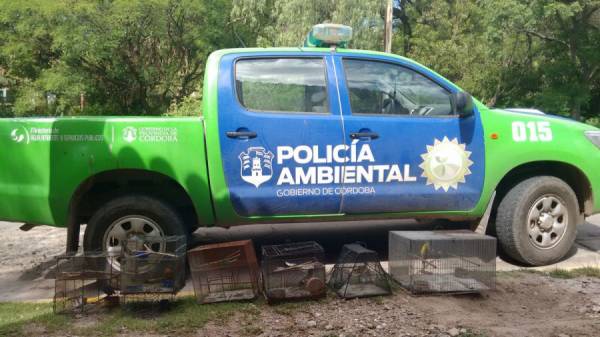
481	227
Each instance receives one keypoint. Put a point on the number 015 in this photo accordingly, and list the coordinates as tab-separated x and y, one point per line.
532	131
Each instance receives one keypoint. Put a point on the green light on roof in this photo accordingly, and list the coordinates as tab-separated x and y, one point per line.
328	34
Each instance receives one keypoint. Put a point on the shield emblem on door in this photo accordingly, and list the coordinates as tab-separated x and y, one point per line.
256	165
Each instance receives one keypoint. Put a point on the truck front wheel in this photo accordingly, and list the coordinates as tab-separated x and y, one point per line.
127	216
536	221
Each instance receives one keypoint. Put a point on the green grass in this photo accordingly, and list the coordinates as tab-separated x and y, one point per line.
14	316
573	273
182	317
557	273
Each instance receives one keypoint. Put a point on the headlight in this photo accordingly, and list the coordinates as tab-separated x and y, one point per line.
594	137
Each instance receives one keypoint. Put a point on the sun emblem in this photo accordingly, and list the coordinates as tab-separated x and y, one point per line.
446	164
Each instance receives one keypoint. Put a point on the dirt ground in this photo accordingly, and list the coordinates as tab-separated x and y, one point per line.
26	261
524	303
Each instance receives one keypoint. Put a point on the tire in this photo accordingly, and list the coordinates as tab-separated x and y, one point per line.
536	221
144	213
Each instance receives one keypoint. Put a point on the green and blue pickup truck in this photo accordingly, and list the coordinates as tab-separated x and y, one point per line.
307	134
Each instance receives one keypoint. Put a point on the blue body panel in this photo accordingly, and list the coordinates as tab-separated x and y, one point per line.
273	130
404	142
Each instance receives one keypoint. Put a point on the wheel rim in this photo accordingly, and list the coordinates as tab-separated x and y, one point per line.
547	221
125	228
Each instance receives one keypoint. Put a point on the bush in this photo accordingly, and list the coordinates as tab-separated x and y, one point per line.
190	106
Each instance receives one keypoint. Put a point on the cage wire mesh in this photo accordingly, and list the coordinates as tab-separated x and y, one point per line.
443	261
224	271
358	273
83	281
293	271
152	268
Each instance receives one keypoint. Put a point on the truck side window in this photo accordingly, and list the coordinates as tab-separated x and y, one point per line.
389	89
282	84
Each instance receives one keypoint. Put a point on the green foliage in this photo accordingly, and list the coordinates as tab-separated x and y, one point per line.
274	97
189	106
595	121
147	56
535	53
285	23
125	57
514	53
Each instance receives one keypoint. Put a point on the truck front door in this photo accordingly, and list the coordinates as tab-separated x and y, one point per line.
410	151
280	133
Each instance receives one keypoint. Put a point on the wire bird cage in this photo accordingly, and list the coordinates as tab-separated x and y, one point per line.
83	281
293	271
224	271
152	268
443	261
358	273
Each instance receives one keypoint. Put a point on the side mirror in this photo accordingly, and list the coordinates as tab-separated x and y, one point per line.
462	104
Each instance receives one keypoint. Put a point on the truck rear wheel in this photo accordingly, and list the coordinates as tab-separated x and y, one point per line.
536	221
127	216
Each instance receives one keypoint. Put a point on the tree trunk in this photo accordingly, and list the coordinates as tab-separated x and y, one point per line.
575	109
388	27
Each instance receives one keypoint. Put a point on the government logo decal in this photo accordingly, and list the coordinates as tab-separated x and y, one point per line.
256	165
20	135
129	134
446	164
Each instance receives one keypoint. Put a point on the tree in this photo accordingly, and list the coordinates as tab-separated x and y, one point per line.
145	57
570	37
26	49
538	53
286	23
126	57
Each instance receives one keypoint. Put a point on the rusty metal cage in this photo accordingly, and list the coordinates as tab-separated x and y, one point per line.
443	261
358	273
83	281
293	271
224	271
152	268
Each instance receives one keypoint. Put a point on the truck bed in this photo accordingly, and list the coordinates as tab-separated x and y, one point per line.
44	161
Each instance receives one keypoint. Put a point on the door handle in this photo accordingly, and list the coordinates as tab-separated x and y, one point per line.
241	134
360	135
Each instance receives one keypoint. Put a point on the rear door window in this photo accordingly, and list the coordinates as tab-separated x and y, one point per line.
282	85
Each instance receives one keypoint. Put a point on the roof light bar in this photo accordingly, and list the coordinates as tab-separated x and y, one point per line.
327	35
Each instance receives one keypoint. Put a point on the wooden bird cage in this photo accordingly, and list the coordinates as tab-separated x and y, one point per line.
224	271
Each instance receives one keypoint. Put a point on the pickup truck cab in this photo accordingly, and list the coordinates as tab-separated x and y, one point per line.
307	134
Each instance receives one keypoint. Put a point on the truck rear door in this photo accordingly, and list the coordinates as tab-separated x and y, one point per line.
280	133
411	153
